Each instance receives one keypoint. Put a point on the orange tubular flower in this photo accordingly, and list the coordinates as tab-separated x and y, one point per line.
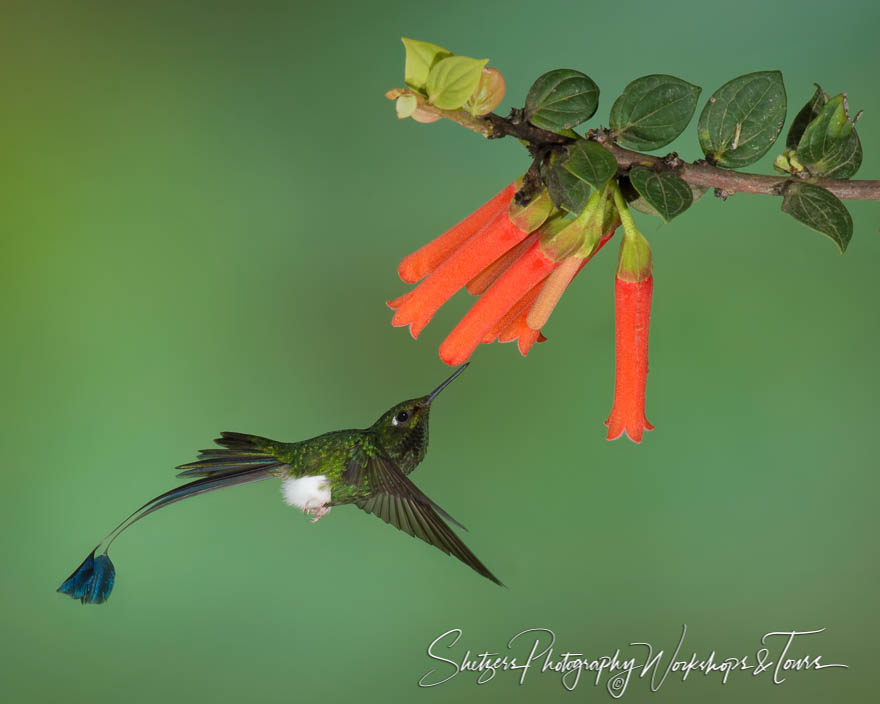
519	260
506	229
633	288
422	262
525	273
520	276
518	304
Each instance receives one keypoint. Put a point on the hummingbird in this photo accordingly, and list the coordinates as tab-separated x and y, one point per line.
368	468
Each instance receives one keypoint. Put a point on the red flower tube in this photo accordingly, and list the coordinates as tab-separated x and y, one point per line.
490	274
414	267
520	309
525	273
633	289
632	312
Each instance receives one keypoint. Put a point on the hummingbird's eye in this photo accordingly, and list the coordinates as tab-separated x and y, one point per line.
401	417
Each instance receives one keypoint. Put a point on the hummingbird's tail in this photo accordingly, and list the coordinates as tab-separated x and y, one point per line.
242	452
93	580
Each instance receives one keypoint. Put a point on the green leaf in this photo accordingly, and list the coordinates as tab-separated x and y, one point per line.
742	119
653	111
561	99
819	209
452	80
665	192
591	163
830	145
566	191
420	57
807	114
636	202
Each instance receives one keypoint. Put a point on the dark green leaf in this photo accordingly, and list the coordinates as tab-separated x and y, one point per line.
820	210
591	163
566	191
742	119
653	111
830	145
665	192
807	114
633	199
561	99
636	202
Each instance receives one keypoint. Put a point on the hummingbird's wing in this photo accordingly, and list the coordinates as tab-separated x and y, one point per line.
396	500
357	471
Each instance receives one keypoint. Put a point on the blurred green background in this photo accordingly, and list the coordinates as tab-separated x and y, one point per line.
202	209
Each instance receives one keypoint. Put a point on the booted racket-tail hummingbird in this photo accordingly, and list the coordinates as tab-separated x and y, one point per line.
367	468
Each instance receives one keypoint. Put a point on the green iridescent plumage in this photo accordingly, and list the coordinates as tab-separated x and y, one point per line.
367	468
336	454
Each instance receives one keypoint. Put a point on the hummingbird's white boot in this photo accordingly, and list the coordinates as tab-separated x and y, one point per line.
310	494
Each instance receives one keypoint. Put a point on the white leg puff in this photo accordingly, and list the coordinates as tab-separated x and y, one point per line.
311	494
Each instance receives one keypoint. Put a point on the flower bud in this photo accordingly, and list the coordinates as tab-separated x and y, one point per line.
488	94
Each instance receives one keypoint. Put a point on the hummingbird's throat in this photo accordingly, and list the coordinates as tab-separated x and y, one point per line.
412	446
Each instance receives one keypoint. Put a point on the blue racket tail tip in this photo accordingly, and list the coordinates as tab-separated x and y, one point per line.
92	581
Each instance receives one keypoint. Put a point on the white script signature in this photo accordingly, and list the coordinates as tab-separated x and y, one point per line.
534	650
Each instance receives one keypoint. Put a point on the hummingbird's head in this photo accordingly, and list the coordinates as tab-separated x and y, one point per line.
403	429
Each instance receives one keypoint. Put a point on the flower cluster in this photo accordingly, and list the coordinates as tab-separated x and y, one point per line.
519	260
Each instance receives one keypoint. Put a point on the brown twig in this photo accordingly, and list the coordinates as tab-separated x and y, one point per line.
728	182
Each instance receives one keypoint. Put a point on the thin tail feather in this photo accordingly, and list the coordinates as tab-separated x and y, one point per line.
200	486
93	580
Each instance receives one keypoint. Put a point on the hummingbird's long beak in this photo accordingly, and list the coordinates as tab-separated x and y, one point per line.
446	383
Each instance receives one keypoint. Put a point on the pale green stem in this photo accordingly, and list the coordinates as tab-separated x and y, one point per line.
629	225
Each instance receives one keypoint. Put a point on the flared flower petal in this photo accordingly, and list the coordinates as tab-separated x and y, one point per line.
525	337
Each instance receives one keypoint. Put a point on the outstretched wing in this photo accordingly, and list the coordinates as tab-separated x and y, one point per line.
396	500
